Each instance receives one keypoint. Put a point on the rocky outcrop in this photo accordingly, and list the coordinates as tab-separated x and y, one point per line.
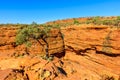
91	53
102	39
9	47
13	74
31	68
91	66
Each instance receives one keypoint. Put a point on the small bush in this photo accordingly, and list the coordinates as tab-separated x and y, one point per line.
32	32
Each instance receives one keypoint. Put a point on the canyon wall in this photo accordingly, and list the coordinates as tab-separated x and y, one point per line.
91	53
9	47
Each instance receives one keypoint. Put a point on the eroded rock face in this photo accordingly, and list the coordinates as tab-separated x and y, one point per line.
91	53
8	46
31	68
13	74
91	66
101	39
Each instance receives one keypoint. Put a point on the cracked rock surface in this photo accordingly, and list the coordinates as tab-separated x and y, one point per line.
91	53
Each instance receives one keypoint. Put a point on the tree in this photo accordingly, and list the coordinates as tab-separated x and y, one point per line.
33	32
76	21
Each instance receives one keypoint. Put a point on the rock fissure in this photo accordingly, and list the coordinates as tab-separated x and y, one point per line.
90	53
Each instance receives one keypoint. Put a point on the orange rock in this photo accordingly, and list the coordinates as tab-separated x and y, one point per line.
7	42
102	39
91	53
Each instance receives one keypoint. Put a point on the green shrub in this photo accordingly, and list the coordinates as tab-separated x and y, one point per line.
32	32
76	21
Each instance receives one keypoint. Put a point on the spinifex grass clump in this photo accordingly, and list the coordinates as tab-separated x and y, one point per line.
33	32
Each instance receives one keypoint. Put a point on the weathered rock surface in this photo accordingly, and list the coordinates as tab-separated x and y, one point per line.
91	66
13	74
91	53
8	46
31	68
101	39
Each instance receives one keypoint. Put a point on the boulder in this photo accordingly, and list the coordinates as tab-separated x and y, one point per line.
12	74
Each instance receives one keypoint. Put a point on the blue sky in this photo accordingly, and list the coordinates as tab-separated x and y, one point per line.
41	11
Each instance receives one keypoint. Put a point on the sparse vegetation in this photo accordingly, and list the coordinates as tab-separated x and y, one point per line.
76	21
107	44
33	32
97	20
95	43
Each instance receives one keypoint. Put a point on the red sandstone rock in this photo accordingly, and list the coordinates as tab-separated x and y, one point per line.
92	53
82	38
7	43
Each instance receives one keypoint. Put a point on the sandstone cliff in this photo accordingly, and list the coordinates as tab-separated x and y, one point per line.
92	52
9	47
